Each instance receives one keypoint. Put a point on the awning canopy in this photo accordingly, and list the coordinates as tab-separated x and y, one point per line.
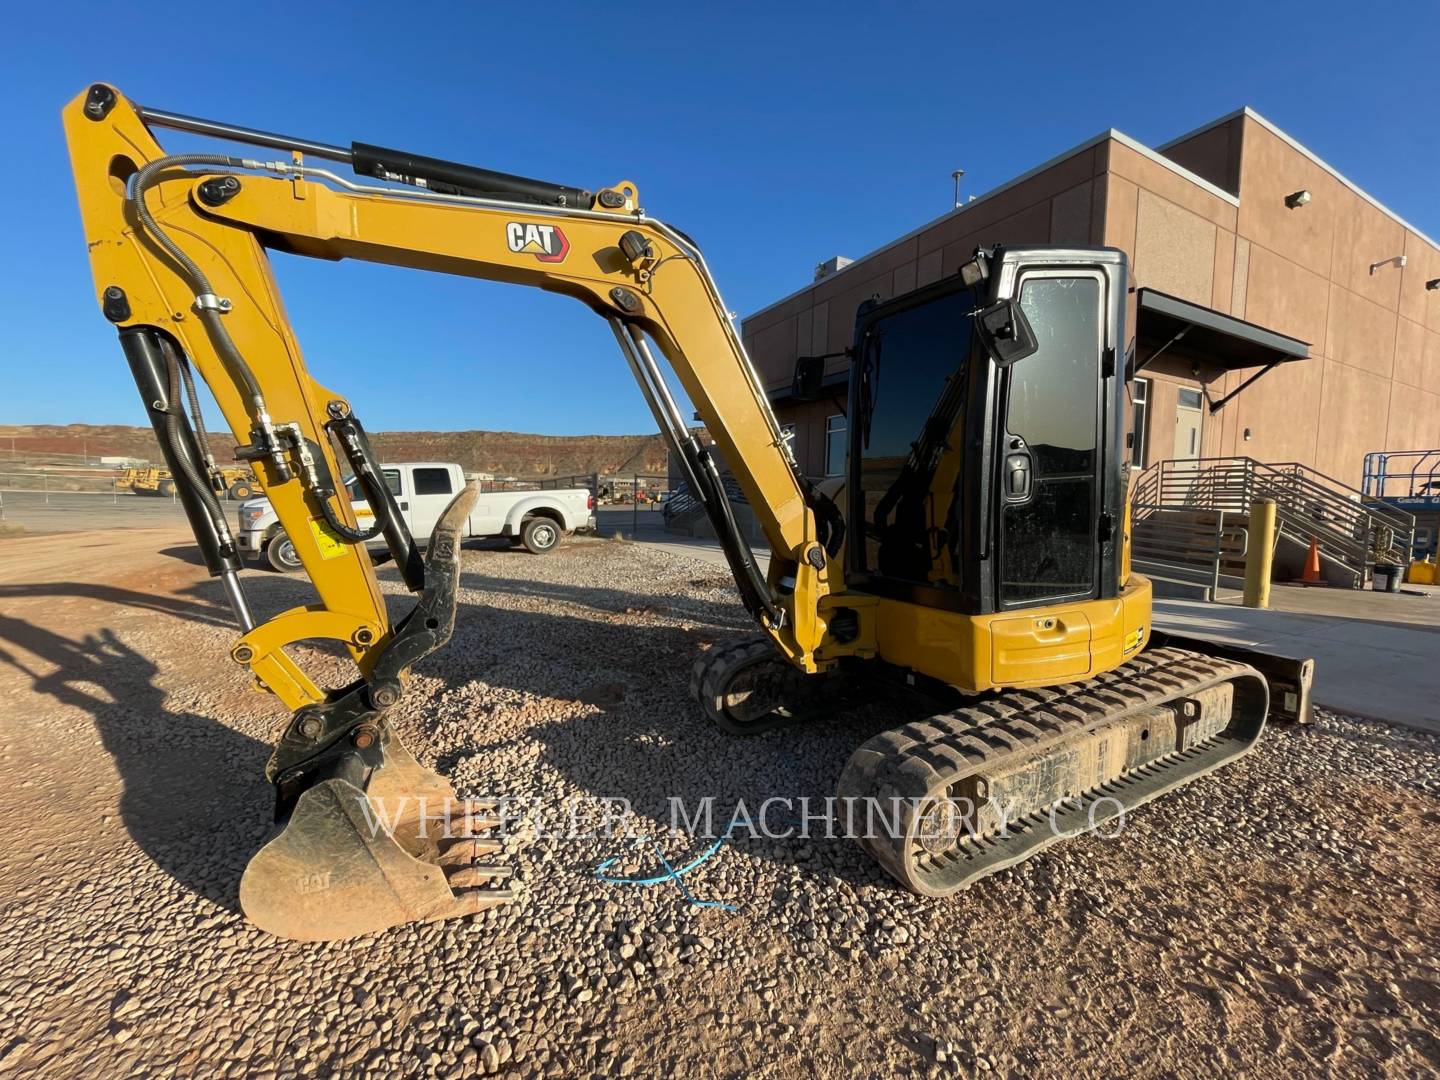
1171	327
1204	335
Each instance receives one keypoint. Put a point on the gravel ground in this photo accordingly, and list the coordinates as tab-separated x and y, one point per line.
1279	917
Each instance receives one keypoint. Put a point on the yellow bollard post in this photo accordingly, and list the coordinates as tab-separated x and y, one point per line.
1260	553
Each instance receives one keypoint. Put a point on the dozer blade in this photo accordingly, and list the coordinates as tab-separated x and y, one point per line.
368	838
351	862
943	802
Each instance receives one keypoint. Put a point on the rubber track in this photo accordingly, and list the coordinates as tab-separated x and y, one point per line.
713	668
923	758
713	672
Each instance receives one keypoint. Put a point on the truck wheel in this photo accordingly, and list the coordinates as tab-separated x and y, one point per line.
241	490
281	555
165	489
540	536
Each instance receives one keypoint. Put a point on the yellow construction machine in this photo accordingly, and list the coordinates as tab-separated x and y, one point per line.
231	483
977	550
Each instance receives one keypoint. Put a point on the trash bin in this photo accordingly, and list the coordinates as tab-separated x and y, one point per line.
1386	578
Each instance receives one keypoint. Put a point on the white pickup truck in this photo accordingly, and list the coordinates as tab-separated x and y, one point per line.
535	519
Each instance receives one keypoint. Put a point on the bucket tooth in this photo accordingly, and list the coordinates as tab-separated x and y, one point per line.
474	901
470	876
466	849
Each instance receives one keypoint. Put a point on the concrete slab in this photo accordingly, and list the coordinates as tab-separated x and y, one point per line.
1388	671
704	550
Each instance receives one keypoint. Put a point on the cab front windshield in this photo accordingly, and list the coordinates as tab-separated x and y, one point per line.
913	397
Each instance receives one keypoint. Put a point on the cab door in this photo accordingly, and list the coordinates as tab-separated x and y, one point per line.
1049	515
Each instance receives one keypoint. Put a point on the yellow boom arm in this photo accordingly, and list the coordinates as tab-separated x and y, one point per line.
178	246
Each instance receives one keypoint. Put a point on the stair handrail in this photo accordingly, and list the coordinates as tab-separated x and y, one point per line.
1346	528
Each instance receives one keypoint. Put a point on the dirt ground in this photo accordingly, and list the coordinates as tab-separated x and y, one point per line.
1278	918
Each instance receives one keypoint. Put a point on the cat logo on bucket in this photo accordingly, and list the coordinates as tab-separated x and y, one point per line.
546	242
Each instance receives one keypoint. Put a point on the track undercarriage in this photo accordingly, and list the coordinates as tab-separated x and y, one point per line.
947	800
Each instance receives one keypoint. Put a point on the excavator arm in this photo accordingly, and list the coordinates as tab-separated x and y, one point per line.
178	247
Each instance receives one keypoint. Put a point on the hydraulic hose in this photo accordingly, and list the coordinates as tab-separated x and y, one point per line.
354	536
209	316
184	456
140	183
197	418
146	178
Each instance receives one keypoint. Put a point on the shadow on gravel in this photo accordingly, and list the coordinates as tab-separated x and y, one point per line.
203	609
194	796
643	739
186	553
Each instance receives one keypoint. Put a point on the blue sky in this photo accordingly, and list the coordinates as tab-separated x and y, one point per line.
776	135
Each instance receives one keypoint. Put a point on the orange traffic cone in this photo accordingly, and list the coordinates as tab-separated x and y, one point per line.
1311	576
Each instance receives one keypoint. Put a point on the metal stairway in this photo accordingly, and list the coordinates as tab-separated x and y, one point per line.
1351	535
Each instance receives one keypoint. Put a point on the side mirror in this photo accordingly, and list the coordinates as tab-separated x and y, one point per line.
1006	332
808	383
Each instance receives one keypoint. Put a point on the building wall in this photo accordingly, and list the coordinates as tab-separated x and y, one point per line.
1373	380
1204	220
1177	227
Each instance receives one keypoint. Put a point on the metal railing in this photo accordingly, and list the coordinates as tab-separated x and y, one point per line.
1404	474
1192	544
1309	505
682	506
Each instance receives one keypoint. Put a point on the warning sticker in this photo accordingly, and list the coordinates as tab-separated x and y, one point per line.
1133	638
327	540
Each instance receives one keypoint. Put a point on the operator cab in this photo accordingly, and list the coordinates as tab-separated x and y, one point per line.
986	426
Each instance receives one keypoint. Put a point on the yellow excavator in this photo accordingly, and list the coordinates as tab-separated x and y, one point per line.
231	483
976	552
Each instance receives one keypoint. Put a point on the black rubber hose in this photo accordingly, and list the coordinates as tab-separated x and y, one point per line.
197	419
184	456
354	536
140	183
143	180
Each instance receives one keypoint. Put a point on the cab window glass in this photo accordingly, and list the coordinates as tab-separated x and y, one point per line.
911	444
1048	535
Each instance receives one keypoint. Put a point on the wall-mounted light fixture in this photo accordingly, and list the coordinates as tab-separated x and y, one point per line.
1433	284
1297	199
1397	262
1247	434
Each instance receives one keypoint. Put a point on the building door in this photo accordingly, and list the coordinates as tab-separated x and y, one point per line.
1187	425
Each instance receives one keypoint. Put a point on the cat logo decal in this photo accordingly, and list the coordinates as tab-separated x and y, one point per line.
546	242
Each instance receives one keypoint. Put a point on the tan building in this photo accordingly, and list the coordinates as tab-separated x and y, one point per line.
1247	250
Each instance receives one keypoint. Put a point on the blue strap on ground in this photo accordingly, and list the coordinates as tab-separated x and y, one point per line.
671	874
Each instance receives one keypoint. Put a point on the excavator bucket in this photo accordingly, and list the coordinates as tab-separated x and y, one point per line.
351	862
368	838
